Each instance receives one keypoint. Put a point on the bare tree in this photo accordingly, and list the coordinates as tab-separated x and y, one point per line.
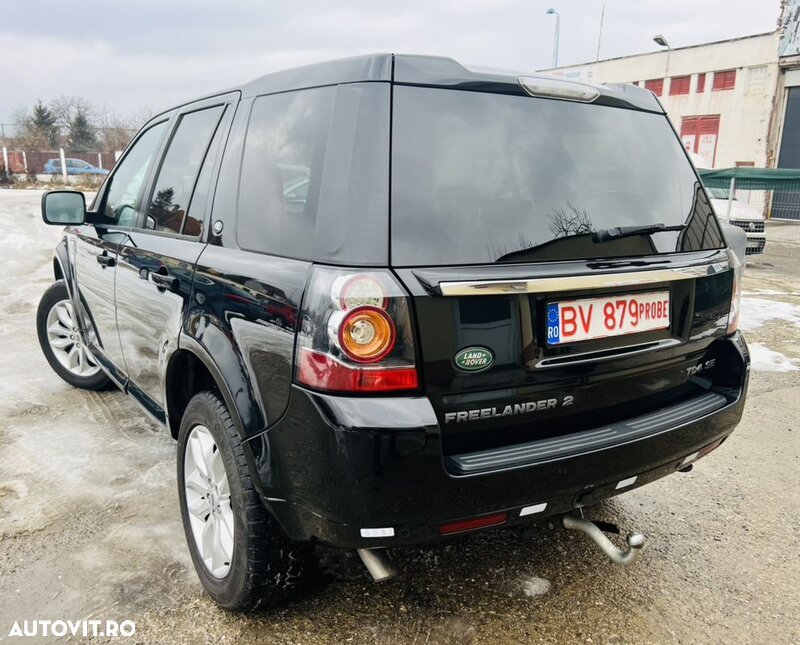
67	108
572	220
76	123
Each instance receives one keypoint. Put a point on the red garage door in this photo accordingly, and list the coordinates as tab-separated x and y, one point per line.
699	134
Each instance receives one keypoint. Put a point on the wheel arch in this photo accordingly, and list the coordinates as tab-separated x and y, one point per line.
190	370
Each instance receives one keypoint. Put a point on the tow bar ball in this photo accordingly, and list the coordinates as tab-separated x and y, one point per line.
624	557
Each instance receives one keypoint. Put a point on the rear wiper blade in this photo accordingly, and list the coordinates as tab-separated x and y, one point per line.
607	234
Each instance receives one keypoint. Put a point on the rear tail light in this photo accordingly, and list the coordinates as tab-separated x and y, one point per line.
736	293
350	291
365	334
356	334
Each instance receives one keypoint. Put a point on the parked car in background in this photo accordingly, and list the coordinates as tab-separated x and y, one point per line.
747	217
74	167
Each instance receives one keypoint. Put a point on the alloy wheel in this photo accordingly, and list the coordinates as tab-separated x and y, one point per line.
65	341
208	500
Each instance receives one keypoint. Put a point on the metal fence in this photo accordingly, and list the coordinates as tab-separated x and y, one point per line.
64	165
767	207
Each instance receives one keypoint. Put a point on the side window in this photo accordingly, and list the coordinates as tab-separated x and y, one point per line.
281	171
179	170
195	216
121	205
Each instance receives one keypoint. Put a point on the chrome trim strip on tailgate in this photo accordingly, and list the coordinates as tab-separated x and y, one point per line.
536	452
578	282
606	354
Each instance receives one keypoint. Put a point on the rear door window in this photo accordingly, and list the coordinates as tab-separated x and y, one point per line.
195	216
179	171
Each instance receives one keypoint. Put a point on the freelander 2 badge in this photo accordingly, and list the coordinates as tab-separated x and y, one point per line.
473	359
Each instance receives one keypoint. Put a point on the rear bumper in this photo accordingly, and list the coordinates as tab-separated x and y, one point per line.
334	466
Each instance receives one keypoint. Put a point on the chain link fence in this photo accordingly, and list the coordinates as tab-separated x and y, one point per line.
765	202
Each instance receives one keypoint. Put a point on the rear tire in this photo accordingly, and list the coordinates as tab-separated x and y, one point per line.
252	563
61	343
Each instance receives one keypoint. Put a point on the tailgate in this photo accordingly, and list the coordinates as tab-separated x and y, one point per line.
520	353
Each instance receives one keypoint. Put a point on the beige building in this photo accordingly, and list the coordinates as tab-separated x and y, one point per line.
719	96
733	102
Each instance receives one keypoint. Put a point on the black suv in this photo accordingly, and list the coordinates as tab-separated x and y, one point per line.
385	300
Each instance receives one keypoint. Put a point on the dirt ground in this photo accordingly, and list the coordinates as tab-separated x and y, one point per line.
90	528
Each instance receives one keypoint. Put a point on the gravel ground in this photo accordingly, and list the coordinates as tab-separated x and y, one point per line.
90	528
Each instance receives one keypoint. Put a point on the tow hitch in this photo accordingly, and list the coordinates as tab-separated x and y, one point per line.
595	530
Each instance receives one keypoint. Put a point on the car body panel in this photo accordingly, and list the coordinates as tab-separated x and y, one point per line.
246	322
149	316
96	284
331	466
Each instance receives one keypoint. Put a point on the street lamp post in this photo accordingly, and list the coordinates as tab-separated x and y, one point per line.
662	42
555	39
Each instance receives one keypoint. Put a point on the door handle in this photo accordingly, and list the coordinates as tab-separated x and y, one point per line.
164	281
105	260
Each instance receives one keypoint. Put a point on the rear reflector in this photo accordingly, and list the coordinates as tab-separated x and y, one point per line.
690	458
377	533
710	447
322	371
471	525
625	483
532	510
701	453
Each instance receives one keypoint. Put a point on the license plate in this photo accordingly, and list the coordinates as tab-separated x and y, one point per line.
569	321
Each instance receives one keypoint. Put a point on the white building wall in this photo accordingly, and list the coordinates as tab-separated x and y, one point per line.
744	111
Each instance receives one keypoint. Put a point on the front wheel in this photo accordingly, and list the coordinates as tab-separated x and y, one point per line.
241	555
61	343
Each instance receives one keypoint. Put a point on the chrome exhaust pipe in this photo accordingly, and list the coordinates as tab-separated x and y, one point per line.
615	554
378	564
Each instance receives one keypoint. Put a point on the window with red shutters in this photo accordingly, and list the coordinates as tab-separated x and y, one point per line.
701	82
679	85
699	134
656	86
724	80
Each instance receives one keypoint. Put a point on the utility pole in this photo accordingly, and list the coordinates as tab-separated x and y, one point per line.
600	33
555	39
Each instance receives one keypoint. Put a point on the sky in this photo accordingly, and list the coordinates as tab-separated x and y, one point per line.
133	54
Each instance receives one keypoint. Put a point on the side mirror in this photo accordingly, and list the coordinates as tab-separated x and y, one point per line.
63	208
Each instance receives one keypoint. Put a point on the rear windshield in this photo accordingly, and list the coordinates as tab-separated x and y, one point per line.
481	178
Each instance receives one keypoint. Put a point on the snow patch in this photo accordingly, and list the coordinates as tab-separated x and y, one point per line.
535	586
757	311
766	360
